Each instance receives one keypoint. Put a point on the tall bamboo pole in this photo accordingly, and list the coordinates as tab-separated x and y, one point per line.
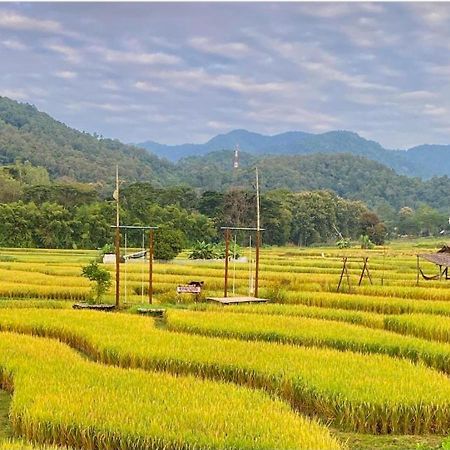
227	257
117	239
151	241
258	235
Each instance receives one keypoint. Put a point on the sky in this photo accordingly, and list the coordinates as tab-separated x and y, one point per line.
185	72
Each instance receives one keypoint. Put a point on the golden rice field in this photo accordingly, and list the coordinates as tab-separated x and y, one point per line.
364	368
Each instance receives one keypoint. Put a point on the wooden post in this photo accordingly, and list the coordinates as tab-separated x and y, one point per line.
365	269
418	271
362	272
258	234
258	244
344	272
348	276
117	238
117	243
151	242
227	255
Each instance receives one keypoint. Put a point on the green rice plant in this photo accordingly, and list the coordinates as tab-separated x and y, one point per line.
368	393
16	444
310	332
421	325
88	405
372	320
36	278
13	290
410	292
31	303
368	303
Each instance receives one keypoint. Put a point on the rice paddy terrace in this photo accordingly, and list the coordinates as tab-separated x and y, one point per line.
364	368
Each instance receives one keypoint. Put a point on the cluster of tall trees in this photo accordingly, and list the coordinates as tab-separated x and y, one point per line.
35	212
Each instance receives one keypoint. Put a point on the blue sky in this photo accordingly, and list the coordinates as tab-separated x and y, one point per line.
184	72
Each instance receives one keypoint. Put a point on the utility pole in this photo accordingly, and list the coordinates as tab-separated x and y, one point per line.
117	238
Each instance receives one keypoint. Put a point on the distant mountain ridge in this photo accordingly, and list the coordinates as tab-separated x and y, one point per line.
26	134
424	161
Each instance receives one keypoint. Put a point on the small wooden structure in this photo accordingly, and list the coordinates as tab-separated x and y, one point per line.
225	300
344	272
117	240
237	300
100	307
152	312
440	259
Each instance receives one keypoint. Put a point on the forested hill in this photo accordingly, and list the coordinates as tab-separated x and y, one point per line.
27	134
348	175
424	161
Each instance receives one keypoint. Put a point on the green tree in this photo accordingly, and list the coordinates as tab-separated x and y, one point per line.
10	189
168	243
101	277
373	228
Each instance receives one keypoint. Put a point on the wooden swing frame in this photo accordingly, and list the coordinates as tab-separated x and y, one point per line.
344	272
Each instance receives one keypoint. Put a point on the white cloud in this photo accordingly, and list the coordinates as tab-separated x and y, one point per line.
326	10
436	111
368	33
107	106
147	86
66	74
195	79
136	57
70	54
229	49
15	21
217	125
417	95
14	44
290	115
432	13
334	10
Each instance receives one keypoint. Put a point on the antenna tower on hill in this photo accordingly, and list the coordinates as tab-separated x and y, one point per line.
236	158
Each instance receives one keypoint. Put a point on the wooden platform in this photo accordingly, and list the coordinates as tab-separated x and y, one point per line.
236	300
94	307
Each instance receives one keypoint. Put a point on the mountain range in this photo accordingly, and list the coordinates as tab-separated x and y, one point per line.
342	162
423	161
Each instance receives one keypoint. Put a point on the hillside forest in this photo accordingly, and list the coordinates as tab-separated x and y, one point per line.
56	187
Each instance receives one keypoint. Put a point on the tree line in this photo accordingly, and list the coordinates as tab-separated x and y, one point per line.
36	212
